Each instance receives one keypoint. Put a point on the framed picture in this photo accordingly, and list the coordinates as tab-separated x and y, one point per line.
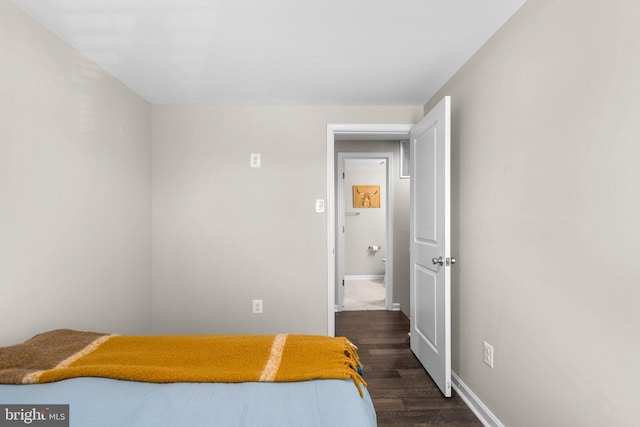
366	196
405	161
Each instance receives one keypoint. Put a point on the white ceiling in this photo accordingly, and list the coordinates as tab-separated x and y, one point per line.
290	52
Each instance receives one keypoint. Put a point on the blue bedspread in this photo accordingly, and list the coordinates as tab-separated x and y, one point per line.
107	402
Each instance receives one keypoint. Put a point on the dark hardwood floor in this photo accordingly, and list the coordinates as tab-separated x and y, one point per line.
402	391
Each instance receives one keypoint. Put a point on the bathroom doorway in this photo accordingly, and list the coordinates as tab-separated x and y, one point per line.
365	233
364	218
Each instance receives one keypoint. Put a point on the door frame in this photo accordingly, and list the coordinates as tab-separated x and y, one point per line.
388	206
359	131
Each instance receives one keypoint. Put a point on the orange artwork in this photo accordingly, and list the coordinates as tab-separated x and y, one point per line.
366	196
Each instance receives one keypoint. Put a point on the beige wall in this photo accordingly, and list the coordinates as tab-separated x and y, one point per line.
546	135
74	189
224	233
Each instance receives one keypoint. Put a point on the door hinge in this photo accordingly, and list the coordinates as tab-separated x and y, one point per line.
343	175
342	282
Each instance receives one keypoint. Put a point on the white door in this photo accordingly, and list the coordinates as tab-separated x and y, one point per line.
430	244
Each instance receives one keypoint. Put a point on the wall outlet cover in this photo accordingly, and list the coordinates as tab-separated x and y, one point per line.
255	160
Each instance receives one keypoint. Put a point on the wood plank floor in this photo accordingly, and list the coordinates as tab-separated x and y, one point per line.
402	392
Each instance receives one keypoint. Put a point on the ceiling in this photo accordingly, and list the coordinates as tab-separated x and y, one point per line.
271	52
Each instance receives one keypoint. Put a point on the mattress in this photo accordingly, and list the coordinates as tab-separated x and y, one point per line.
110	402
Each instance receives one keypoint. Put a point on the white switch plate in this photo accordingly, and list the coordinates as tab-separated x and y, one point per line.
256	306
319	205
255	160
487	355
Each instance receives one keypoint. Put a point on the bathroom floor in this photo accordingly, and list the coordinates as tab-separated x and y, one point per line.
360	295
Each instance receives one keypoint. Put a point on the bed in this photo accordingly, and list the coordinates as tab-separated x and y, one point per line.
196	380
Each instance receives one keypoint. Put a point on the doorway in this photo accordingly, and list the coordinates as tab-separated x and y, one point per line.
430	253
353	132
364	229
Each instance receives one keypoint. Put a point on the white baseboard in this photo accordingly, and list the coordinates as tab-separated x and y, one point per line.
394	307
365	277
481	411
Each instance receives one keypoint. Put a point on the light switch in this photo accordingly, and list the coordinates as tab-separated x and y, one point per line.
255	160
319	205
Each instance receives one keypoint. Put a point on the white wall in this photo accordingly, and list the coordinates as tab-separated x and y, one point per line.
546	135
74	189
224	233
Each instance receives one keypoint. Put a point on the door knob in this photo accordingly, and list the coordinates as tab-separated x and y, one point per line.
438	261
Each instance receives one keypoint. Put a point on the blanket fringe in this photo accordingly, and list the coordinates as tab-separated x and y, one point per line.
355	366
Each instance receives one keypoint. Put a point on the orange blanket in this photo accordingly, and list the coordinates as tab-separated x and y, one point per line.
62	354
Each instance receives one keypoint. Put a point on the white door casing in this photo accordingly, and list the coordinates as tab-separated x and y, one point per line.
393	131
430	232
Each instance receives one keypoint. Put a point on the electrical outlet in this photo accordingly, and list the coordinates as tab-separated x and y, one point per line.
254	161
487	354
257	306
